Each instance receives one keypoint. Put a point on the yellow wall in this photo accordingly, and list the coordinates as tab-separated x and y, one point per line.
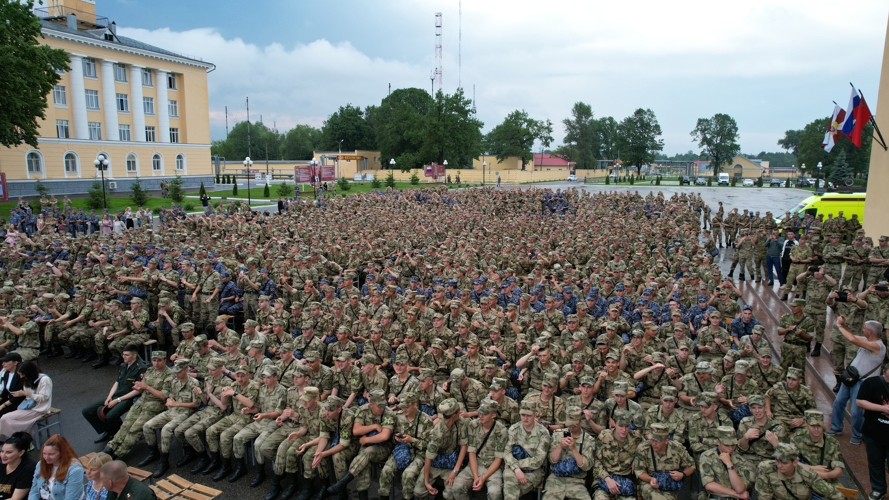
876	207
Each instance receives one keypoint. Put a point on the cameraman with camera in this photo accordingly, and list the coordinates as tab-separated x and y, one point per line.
847	304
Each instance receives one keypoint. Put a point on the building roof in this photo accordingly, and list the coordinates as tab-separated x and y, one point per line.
548	159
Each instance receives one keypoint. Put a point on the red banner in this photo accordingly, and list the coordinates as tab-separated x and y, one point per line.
4	193
328	173
303	174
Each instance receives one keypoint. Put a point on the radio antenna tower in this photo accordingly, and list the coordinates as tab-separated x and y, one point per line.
460	45
438	48
473	99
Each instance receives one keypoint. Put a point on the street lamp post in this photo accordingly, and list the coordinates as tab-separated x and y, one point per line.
247	164
484	166
101	164
446	169
818	180
315	185
339	170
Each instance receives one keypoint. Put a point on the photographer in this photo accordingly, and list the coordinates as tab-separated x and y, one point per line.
866	364
844	303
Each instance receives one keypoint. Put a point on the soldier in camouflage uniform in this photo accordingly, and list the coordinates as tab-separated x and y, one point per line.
507	408
694	384
759	434
521	476
702	425
619	401
658	455
818	288
667	414
797	329
181	403
615	451
487	444
242	396
287	456
270	404
725	473
819	451
334	443
448	435
190	432
412	428
468	392
374	425
784	478
153	389
787	401
571	442
402	382
287	423
550	408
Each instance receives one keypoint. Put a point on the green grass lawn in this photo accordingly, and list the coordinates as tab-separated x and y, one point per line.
114	204
356	187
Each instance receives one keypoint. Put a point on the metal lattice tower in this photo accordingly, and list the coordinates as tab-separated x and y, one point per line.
438	48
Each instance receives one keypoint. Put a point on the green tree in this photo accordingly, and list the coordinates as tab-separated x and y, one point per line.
452	132
516	135
608	137
414	179
177	194
30	69
390	180
718	139
41	188
202	191
265	191
139	195
638	139
840	170
285	190
300	142
582	138
399	126
376	183
343	184
790	142
235	146
95	198
348	124
235	188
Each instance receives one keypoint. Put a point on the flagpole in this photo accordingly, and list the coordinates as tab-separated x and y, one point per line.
880	141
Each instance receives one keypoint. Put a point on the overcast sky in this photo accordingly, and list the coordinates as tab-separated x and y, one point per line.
771	64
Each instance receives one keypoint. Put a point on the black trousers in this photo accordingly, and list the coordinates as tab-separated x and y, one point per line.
113	417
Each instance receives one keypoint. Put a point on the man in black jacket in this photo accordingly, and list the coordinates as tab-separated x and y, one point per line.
105	416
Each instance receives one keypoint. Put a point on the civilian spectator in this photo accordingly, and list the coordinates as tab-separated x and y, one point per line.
10	381
871	352
60	474
120	485
94	488
873	398
17	471
37	387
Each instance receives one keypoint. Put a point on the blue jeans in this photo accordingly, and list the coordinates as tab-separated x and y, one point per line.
876	464
774	262
839	410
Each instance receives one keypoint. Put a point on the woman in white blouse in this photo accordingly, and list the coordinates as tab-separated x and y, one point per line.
37	387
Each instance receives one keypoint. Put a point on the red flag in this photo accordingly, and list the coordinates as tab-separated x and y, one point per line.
862	116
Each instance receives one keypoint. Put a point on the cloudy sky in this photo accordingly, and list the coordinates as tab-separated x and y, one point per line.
771	64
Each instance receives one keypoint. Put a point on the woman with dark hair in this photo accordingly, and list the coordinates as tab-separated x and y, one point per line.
37	391
17	471
60	474
10	382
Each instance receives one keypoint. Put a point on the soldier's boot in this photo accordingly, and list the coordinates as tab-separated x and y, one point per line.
202	463
259	478
362	495
163	466
318	491
817	350
741	277
214	464
103	361
225	470
731	272
291	488
89	356
275	490
340	485
110	452
55	350
240	470
82	352
315	485
384	497
154	455
188	457
73	353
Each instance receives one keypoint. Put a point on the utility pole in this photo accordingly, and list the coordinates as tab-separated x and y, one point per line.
248	126
226	122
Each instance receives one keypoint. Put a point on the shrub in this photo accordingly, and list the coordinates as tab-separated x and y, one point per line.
787	183
95	198
759	182
137	194
202	191
156	210
265	191
607	180
177	194
390	180
217	178
631	179
226	179
733	182
188	206
376	183
709	181
285	190
343	184
414	179
41	188
235	189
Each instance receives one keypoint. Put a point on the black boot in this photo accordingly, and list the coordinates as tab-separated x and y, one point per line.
384	497
741	277
188	457
731	272
55	350
259	478
275	490
89	356
154	455
108	451
202	463
240	470
341	484
817	350
225	469
73	353
362	495
291	488
163	466
103	361
836	388
316	489
81	353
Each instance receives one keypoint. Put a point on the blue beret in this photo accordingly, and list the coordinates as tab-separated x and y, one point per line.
104	247
150	246
478	282
340	280
119	249
746	307
81	259
323	282
161	250
264	270
504	285
371	277
511	279
180	259
120	211
56	243
646	291
224	274
438	281
212	255
566	289
452	282
619	286
483	278
414	279
594	290
41	254
187	252
92	211
29	253
134	247
702	298
390	277
677	293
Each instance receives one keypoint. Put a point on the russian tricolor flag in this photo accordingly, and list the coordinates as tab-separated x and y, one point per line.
857	116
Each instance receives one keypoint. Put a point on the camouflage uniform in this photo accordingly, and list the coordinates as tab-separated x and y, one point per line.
287	457
342	428
826	452
536	443
143	410
376	453
221	434
647	461
794	347
191	431
169	420
418	429
787	405
571	487
713	470
487	447
443	440
760	449
771	484
268	401
614	457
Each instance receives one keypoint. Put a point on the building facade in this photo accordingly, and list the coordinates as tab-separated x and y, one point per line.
143	108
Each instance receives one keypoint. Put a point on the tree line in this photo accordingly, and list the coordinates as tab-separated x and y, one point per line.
805	145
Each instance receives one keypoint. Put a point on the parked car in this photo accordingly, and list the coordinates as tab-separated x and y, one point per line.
685	179
572	178
776	183
724	179
749	182
701	181
804	183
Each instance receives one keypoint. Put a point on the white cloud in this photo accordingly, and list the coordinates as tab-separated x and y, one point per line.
773	65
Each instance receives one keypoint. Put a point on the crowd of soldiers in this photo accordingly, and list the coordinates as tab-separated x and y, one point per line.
468	341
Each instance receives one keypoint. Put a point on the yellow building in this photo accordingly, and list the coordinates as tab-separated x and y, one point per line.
742	167
876	207
144	108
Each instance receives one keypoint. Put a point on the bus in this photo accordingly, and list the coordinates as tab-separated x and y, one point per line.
830	203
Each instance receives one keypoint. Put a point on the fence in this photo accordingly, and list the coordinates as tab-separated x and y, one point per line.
475	176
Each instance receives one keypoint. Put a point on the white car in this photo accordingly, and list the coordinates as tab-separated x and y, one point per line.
749	182
572	178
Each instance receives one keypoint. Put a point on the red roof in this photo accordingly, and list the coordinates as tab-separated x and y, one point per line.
550	160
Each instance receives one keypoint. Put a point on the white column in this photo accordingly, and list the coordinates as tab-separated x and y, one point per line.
136	106
163	110
109	101
77	98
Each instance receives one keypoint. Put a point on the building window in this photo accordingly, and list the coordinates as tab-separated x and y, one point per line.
180	162
92	99
132	164
146	78
89	67
62	129
120	73
59	97
171	81
95	129
148	105
150	135
123	103
35	163
123	131
70	163
173	108
174	135
157	163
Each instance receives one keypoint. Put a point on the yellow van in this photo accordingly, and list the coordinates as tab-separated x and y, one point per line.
830	203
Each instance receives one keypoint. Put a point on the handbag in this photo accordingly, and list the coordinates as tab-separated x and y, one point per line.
29	403
714	252
849	377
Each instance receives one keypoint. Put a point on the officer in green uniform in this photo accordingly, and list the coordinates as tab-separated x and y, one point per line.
657	458
530	441
412	428
181	403
615	451
818	451
448	438
784	478
120	397
486	447
725	473
573	442
797	330
818	287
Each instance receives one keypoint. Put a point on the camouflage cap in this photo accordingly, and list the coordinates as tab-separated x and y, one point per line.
402	358
612	355
154	354
333	403
215	363
786	452
759	329
370	359
408	399
659	432
528	407
732	356
669	393
794	372
726	435
658	357
574	415
457	375
16	313
448	407
344	356
704	367
242	369
221	319
620	388
601	340
551	379
622	417
587	380
487	406
270	371
250	323
256	344
490	362
756	399
377	397
310	393
180	364
498	383
798	302
741	366
814	417
303	370
425	373
311	356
